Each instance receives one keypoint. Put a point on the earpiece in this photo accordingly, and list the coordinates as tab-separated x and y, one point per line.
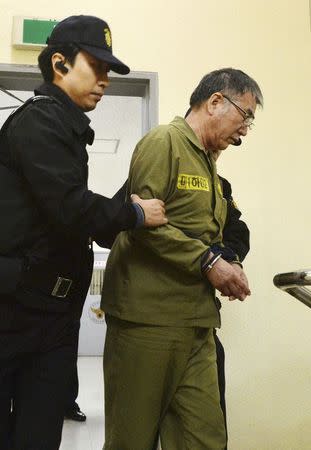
238	142
61	67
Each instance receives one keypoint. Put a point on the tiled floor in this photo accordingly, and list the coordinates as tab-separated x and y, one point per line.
90	434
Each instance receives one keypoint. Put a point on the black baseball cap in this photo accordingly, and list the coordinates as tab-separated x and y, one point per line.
90	34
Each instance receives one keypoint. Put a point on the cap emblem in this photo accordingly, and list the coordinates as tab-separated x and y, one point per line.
108	37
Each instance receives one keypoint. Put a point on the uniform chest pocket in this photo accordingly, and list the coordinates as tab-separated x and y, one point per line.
196	192
192	202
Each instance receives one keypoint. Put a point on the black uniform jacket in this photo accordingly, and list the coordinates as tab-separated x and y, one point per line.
44	145
236	232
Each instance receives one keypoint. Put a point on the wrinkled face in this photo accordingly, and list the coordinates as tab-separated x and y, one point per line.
230	118
85	81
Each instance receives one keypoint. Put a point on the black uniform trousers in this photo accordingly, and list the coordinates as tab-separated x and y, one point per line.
220	359
73	381
37	354
80	296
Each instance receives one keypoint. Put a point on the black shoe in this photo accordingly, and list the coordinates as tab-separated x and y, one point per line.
76	415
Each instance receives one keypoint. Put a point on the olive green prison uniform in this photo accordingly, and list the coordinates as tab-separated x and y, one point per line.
159	353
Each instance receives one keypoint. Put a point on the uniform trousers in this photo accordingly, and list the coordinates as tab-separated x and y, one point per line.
171	421
37	356
154	372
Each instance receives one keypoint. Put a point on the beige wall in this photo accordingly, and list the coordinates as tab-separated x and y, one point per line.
268	337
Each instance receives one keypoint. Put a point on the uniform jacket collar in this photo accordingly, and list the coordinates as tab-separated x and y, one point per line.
186	130
182	125
77	118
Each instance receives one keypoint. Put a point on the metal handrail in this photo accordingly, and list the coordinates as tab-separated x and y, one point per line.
294	283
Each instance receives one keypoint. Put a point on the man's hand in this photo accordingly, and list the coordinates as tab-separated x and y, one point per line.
229	279
153	209
240	272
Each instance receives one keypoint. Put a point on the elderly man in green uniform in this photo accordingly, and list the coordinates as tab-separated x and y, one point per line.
159	288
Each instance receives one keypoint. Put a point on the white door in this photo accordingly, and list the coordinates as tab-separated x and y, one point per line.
117	122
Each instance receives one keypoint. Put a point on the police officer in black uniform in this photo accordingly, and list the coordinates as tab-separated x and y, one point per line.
49	218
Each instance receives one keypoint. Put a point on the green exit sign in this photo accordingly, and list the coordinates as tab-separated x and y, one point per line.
31	33
36	31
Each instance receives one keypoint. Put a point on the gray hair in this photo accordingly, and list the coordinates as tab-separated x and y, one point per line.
228	81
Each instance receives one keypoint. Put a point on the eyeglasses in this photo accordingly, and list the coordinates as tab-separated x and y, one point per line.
248	118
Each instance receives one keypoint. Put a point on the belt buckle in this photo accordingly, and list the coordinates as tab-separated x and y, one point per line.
62	287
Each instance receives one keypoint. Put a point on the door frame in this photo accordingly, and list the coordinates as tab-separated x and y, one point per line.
24	77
